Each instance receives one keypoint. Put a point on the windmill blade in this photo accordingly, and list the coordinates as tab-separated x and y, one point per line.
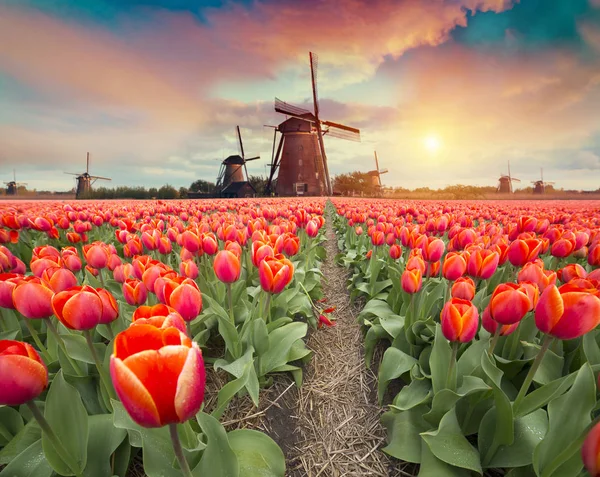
275	162
101	178
549	183
87	169
239	135
72	173
252	158
515	179
341	131
376	161
383	171
289	109
314	64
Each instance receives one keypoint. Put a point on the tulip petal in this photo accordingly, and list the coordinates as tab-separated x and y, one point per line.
549	309
581	315
135	397
22	379
190	386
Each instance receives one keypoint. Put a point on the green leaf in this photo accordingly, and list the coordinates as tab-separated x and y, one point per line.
122	420
104	439
373	336
280	343
159	456
29	463
448	444
394	364
68	419
439	361
403	433
568	416
257	453
543	395
243	370
416	393
431	466
529	431
11	423
78	349
446	398
26	436
471	358
550	368
504	430
591	348
218	459
259	336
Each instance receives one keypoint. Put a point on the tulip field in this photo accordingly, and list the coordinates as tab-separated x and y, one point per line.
479	318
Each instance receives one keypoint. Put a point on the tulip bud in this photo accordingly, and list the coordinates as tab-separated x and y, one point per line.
96	255
463	288
78	308
189	269
8	282
23	374
32	298
522	251
395	251
412	280
460	320
590	452
227	266
312	228
454	266
275	273
491	325
509	303
159	316
183	295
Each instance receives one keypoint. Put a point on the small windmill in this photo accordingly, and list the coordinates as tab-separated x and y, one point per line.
85	180
300	161
505	182
231	181
375	176
12	187
539	186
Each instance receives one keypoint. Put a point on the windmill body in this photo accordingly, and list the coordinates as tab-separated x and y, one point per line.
232	180
85	181
505	182
12	187
299	163
539	186
375	177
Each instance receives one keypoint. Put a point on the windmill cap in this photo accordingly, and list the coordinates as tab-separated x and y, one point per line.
237	159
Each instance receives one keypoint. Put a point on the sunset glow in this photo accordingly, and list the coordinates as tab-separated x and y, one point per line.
432	143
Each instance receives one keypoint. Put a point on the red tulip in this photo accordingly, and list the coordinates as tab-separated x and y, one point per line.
412	280
8	282
312	228
482	263
377	238
158	374
275	273
189	269
590	452
534	272
567	312
32	298
463	288
593	257
96	255
135	292
227	266
509	303
78	308
70	259
491	325
183	295
395	251
260	251
571	271
123	272
460	320
190	241
210	245
23	374
58	279
522	251
433	249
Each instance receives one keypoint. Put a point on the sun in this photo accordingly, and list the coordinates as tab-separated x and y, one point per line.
432	143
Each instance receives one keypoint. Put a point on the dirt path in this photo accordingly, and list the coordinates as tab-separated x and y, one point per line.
337	423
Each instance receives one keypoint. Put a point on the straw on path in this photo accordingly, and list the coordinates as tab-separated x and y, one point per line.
338	430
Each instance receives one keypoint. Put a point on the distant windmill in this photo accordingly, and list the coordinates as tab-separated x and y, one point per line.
85	180
505	182
231	181
375	176
12	187
300	161
539	187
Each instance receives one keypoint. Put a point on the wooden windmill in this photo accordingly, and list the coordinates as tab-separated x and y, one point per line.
231	181
375	176
12	187
539	186
85	180
300	161
505	182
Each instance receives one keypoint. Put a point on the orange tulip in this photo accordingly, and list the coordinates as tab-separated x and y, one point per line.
482	263
412	280
571	271
8	282
590	452
159	316
454	266
32	298
460	320
567	312
275	273
23	374
58	279
395	251
491	325
534	272
522	251
463	288
96	255
183	295
158	374
135	292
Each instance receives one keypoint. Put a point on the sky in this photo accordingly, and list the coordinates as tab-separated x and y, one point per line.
446	91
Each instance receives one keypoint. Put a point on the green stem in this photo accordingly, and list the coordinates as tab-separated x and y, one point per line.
61	345
101	277
230	296
515	342
185	468
188	327
101	371
495	339
4	432
37	340
46	429
571	449
534	367
111	333
268	308
451	367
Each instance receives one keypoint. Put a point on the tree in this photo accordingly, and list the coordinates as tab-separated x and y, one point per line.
259	183
167	192
183	192
202	186
354	183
